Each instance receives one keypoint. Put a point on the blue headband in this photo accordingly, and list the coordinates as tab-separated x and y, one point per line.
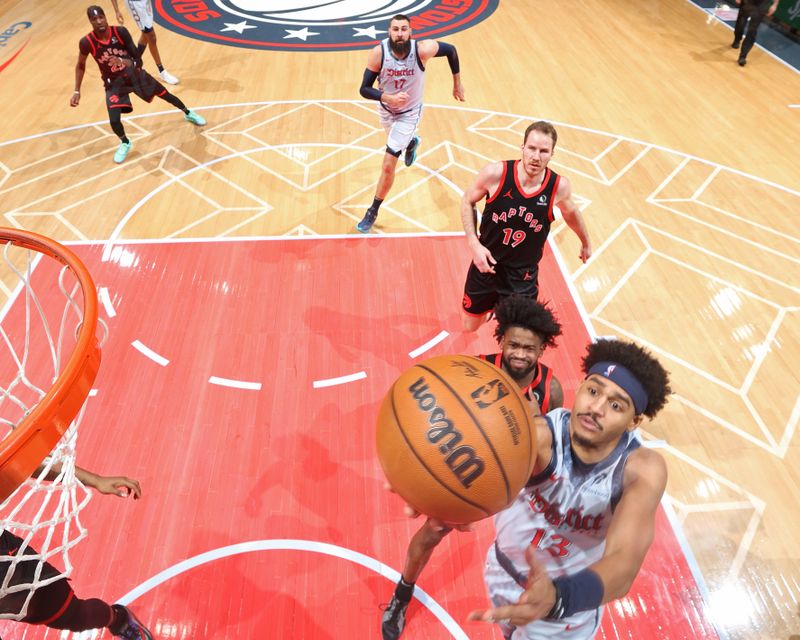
625	379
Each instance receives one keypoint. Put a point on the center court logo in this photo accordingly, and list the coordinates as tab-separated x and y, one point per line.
9	38
315	25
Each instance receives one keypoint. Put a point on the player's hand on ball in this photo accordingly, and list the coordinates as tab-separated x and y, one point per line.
411	512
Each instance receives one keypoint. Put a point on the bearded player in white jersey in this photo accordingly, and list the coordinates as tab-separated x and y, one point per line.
577	534
398	63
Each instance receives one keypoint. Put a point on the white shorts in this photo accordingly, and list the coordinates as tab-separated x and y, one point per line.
504	590
142	12
401	128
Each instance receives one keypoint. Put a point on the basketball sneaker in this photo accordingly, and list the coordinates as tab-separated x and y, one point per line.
195	118
394	619
167	77
122	152
411	151
367	221
131	628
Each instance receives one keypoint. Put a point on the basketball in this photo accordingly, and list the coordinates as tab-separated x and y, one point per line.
455	438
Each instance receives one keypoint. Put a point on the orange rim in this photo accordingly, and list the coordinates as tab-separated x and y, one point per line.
34	438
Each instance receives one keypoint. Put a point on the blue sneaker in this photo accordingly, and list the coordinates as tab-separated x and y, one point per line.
367	221
195	118
411	151
132	628
122	152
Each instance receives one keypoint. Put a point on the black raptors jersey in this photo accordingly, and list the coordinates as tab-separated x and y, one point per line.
119	44
515	224
539	388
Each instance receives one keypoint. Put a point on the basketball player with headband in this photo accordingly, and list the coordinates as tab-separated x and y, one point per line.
525	328
576	536
398	63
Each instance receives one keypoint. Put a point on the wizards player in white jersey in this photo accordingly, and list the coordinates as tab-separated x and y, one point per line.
525	328
398	63
142	12
577	534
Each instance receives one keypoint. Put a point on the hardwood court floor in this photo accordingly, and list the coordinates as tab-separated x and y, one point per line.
264	514
684	163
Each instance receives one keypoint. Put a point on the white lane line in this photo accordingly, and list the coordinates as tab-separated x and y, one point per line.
106	300
296	545
149	353
235	384
428	345
331	382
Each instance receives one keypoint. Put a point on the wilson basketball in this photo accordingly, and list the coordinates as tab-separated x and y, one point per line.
455	438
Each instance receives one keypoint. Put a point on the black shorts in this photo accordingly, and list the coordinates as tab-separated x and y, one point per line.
482	291
134	80
24	573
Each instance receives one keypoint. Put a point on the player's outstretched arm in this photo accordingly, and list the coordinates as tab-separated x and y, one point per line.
633	525
487	181
80	70
120	17
573	217
435	49
121	486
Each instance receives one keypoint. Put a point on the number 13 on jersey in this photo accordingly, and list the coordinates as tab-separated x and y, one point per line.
555	544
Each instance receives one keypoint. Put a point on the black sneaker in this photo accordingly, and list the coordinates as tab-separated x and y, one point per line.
411	151
735	44
742	62
367	221
132	628
394	619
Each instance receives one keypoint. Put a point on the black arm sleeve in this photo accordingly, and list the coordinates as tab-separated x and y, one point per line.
367	90
452	56
133	50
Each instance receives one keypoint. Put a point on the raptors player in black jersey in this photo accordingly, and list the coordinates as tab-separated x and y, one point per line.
121	69
525	328
520	197
54	603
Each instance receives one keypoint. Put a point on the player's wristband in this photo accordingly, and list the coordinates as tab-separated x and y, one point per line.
580	591
76	93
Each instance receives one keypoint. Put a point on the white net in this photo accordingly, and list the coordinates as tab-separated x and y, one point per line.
39	520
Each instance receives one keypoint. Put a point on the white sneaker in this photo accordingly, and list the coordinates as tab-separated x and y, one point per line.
167	77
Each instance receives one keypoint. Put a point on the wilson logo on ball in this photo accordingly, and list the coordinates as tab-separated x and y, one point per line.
459	458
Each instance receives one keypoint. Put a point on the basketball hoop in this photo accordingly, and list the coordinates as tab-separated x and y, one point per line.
49	357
